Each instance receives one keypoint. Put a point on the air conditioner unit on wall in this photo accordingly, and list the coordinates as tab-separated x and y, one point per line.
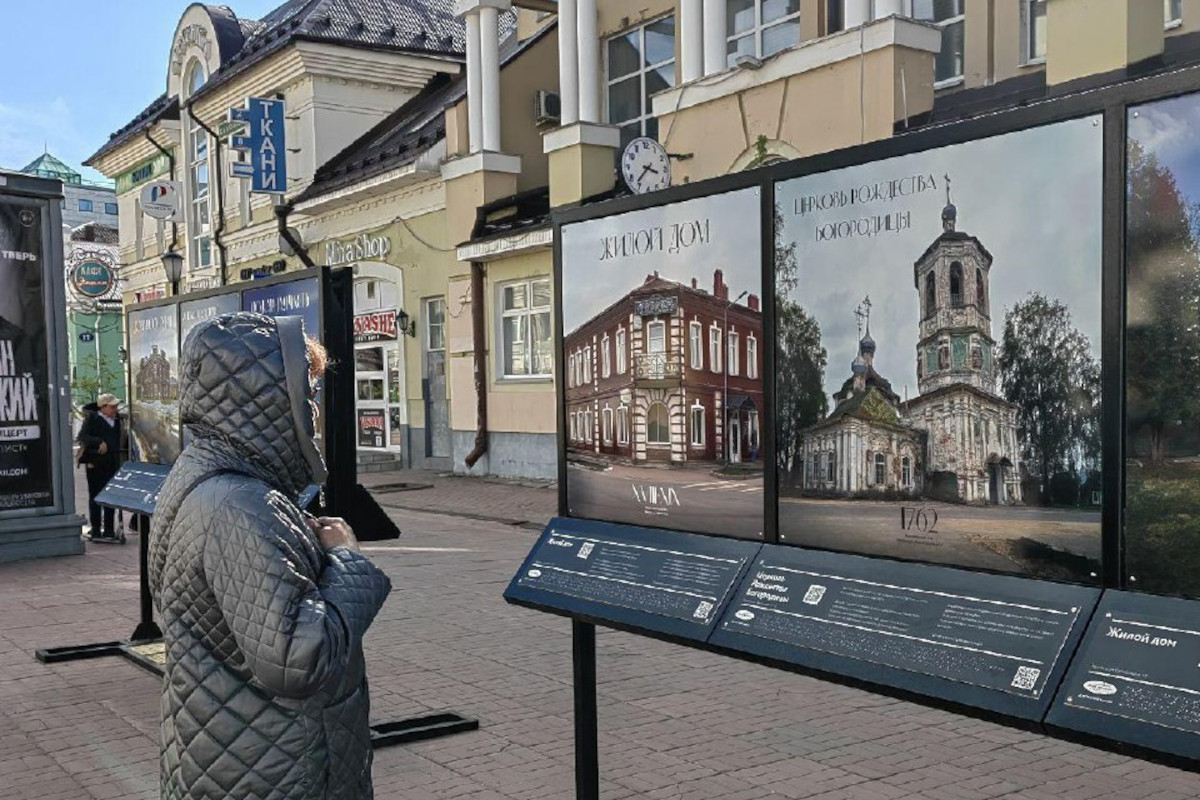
547	108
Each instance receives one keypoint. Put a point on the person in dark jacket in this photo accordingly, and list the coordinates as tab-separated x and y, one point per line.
100	439
263	608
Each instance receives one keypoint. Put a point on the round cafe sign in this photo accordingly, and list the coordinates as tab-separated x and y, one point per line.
92	279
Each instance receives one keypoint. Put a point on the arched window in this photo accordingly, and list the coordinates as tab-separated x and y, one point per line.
956	285
199	222
930	293
658	424
880	469
980	290
906	472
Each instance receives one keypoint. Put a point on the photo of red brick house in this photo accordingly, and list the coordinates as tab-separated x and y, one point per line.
671	373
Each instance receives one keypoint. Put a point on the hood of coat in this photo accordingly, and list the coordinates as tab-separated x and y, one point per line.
244	384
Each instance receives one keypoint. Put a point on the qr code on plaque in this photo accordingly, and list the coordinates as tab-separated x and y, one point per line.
585	550
814	594
1026	678
703	610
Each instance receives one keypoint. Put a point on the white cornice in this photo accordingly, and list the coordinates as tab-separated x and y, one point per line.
581	133
505	246
371	66
137	149
423	168
484	161
812	55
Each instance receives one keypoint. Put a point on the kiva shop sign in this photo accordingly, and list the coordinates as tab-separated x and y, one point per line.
360	248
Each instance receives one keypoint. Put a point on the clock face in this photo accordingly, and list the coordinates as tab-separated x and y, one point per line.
645	166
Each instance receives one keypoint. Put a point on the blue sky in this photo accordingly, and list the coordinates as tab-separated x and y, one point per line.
74	71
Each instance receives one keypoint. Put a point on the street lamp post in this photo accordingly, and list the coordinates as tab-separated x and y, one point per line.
173	267
725	375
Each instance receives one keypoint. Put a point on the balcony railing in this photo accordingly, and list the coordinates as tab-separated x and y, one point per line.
657	367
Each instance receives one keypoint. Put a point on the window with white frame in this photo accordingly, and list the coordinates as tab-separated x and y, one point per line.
608	425
622	352
906	471
735	367
1033	25
527	338
606	356
574	426
697	420
714	348
656	337
880	469
623	425
696	345
761	28
435	324
751	356
199	221
947	15
639	63
587	365
588	431
1173	13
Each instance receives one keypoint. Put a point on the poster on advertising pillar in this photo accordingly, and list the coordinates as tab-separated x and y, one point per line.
25	427
662	357
938	355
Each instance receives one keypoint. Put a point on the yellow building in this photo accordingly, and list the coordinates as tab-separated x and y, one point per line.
428	156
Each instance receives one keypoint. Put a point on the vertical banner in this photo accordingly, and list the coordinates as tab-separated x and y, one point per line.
154	384
25	427
938	354
662	355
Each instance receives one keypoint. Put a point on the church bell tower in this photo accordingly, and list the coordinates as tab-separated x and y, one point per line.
952	279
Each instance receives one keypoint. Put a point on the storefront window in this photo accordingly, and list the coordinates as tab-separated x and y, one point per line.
370	389
368	359
526	332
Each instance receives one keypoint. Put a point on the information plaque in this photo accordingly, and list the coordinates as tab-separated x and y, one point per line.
135	487
672	583
988	641
1136	677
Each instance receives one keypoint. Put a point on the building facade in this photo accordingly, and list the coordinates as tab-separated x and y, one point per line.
670	374
456	136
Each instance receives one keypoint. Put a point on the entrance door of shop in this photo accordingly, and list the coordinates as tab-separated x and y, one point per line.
437	408
378	362
735	436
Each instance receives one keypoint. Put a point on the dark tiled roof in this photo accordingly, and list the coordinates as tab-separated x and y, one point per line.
95	232
874	381
409	26
163	107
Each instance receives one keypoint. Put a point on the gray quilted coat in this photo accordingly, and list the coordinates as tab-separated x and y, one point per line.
265	693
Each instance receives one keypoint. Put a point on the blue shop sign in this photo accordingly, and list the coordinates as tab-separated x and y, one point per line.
264	144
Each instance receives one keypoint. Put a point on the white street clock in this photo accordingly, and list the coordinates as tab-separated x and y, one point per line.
645	166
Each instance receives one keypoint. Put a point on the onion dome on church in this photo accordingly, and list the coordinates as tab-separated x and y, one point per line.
858	366
949	217
866	346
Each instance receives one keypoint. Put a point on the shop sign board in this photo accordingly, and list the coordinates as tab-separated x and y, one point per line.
92	279
374	327
371	427
163	200
263	143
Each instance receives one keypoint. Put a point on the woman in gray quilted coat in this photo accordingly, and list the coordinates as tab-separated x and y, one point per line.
263	608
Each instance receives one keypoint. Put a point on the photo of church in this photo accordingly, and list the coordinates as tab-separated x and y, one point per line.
662	366
882	442
938	363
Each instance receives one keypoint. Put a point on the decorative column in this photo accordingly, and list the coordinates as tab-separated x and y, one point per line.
589	62
715	59
474	83
855	13
691	14
568	61
489	19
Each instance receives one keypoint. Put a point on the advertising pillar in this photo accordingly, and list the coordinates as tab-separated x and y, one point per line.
37	499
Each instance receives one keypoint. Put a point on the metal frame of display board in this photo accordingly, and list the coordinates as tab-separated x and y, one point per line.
1111	102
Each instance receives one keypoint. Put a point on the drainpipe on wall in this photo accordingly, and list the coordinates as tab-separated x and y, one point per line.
171	167
480	348
281	214
220	182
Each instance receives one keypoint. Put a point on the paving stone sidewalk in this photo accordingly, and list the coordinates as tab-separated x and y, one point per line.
675	723
510	501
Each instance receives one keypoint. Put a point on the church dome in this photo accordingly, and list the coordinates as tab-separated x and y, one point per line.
867	345
858	366
949	216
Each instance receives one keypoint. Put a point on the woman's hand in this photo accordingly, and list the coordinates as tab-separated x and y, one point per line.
333	532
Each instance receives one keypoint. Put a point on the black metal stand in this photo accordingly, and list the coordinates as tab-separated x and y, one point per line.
147	629
587	753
